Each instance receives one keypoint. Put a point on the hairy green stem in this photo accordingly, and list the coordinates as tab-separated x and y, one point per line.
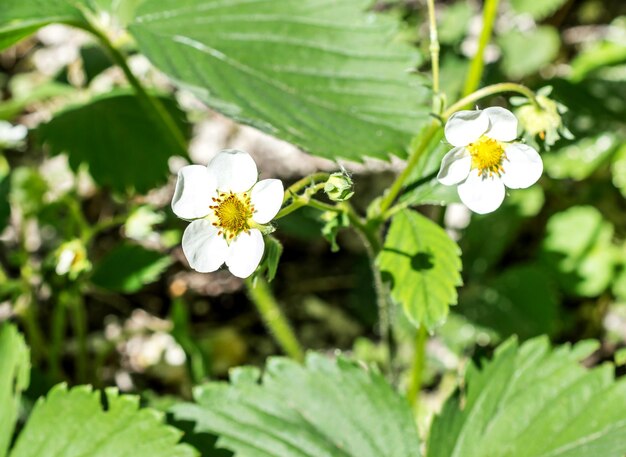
311	180
26	308
261	295
36	340
298	201
414	157
434	54
101	226
371	236
152	104
79	323
57	337
491	90
417	369
477	65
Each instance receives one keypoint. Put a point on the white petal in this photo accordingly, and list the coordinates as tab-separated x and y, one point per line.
522	167
245	253
502	124
455	167
194	189
267	198
465	127
205	250
481	195
233	170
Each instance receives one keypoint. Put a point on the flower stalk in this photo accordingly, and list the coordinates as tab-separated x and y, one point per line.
417	369
434	55
153	106
261	295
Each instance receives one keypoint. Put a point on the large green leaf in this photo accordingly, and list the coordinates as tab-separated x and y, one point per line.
74	424
532	401
326	76
20	18
124	146
324	409
578	247
424	266
14	378
128	267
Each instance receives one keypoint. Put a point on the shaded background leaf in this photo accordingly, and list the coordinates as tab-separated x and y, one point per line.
124	147
128	267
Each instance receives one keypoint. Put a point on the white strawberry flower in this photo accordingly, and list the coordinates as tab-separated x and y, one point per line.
12	136
485	159
230	209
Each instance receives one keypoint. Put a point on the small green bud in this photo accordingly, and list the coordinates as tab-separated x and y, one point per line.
339	187
544	122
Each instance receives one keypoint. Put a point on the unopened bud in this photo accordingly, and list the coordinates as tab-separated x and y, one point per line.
544	120
339	187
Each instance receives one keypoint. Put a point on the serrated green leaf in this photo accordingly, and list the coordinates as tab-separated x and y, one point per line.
72	423
19	18
14	379
124	146
578	247
534	401
128	267
323	409
524	53
424	265
326	76
538	9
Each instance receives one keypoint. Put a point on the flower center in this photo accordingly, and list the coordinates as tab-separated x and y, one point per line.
233	212
487	155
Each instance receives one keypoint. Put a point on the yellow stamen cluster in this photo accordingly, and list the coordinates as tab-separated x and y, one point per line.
487	156
233	213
